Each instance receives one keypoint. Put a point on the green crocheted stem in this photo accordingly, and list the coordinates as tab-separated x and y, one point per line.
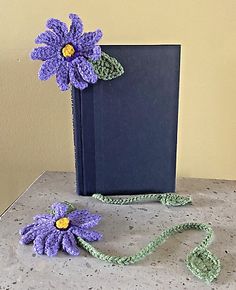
201	262
171	199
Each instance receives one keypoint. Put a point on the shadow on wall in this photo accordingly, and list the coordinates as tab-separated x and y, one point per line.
36	127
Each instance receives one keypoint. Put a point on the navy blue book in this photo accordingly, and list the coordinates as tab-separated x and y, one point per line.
125	130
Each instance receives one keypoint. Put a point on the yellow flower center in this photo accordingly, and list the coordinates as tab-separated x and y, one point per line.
62	223
68	50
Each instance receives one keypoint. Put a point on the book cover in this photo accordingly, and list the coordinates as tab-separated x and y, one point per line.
125	131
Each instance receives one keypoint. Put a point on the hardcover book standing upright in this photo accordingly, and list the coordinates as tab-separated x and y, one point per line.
125	131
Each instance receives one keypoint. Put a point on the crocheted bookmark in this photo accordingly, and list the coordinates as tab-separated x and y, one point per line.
201	262
67	227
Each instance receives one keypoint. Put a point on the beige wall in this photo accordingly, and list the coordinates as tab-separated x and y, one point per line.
35	117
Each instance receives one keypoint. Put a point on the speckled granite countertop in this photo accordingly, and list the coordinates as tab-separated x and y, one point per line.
126	229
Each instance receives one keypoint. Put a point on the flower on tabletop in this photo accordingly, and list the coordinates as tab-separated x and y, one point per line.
50	232
68	53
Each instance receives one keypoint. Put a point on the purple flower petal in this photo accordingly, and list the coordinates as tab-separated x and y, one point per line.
36	228
76	27
69	244
77	215
84	219
43	217
75	78
43	227
94	54
49	68
90	221
62	76
89	236
39	242
26	229
44	52
59	209
48	37
28	237
58	27
52	243
89	39
86	70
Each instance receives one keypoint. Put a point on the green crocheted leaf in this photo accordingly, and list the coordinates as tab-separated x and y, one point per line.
174	199
204	265
107	67
70	207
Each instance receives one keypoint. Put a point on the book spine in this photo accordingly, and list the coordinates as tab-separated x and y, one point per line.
78	136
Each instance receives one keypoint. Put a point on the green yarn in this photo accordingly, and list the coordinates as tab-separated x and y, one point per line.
204	265
70	207
201	262
107	67
165	198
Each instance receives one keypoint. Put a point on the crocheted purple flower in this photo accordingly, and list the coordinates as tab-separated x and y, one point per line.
68	53
50	232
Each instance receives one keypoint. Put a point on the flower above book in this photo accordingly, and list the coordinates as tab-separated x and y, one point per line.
73	56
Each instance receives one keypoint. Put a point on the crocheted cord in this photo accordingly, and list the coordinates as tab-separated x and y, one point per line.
201	262
165	198
107	67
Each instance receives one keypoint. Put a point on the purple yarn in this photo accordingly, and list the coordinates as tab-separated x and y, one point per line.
75	69
48	239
